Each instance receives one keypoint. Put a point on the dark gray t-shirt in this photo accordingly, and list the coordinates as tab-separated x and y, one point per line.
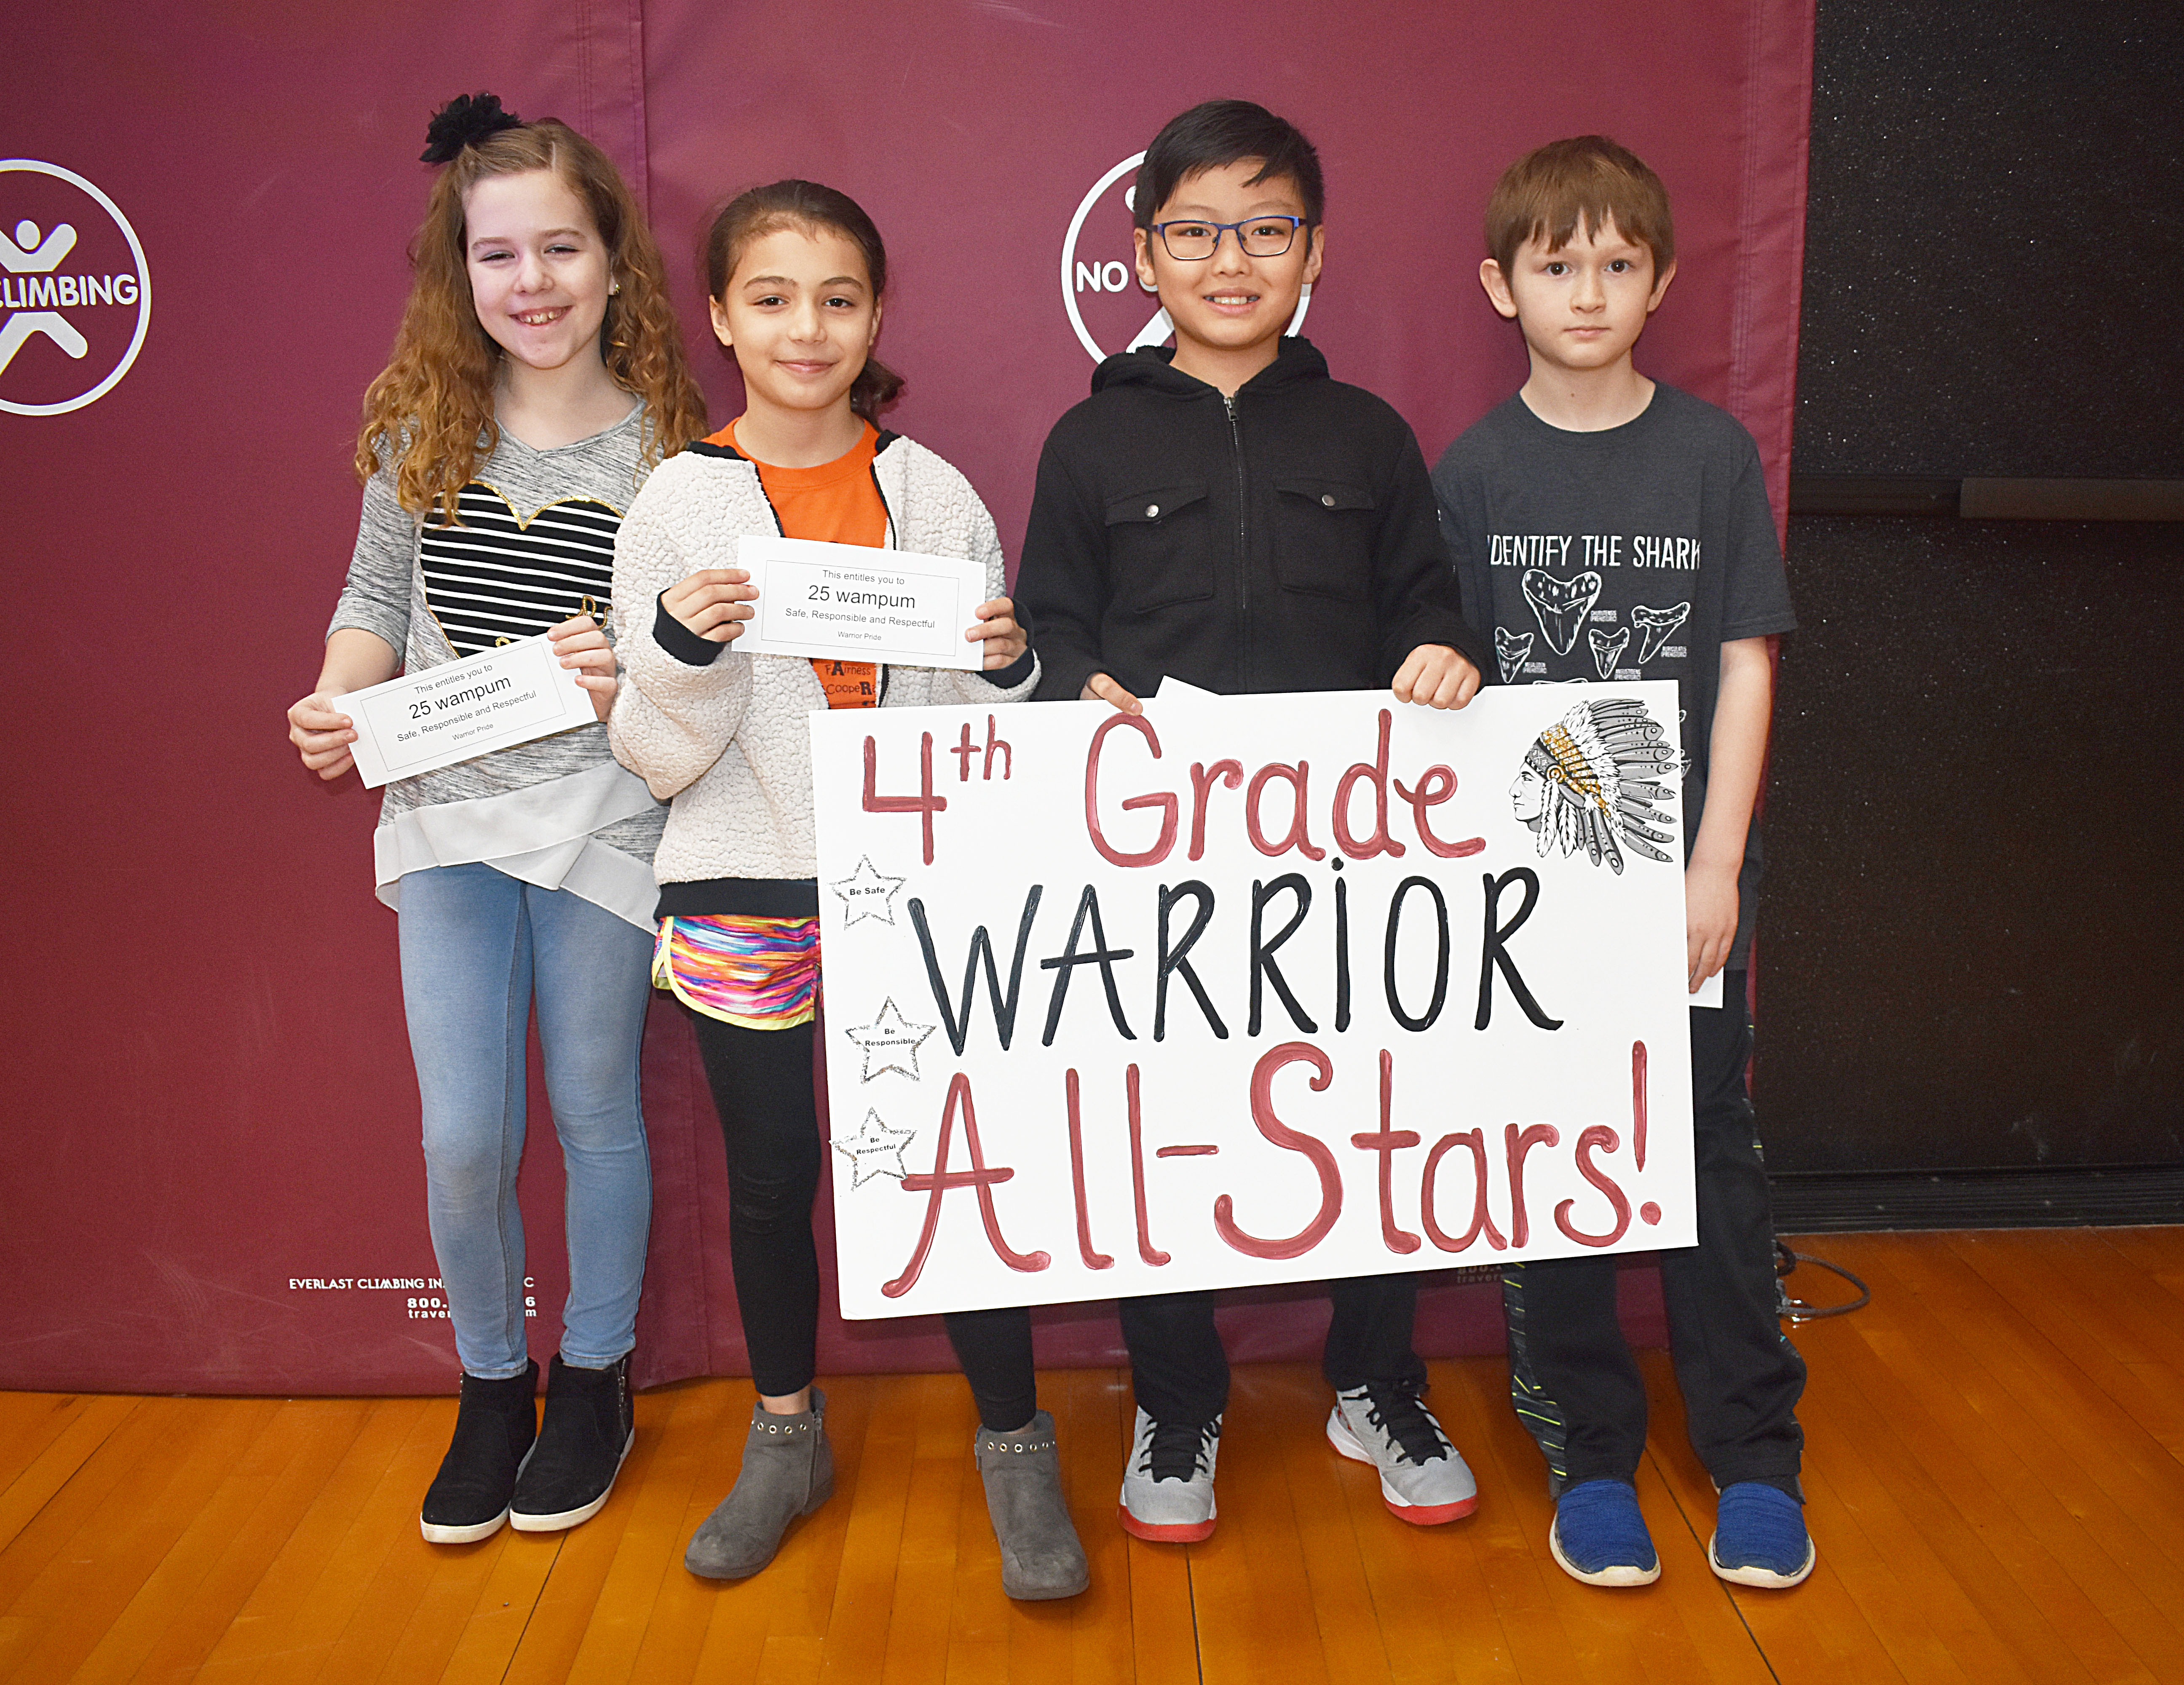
1634	553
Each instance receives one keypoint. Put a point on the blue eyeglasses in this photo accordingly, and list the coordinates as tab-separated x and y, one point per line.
1190	240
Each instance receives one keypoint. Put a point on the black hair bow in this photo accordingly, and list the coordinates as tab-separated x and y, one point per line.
464	121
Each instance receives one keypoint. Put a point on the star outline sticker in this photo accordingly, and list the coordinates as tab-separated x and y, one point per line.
867	894
875	1141
889	1040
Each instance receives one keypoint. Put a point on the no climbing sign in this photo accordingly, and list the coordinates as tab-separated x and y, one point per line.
1255	989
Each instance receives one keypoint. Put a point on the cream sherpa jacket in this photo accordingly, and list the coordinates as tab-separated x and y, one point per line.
729	741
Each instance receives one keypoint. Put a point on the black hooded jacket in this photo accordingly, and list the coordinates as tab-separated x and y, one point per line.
1285	539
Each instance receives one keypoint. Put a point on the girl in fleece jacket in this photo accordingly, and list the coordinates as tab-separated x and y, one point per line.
797	273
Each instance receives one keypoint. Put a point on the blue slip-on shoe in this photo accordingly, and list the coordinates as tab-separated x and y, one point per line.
1760	1536
1599	1535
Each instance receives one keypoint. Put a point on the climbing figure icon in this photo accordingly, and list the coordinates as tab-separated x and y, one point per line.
72	273
25	253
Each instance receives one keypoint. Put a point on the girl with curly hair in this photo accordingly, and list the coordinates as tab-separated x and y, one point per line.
536	378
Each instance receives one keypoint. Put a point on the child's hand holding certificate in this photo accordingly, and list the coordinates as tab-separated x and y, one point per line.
461	710
848	602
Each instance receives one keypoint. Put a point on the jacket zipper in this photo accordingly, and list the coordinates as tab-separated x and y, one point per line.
880	688
1243	551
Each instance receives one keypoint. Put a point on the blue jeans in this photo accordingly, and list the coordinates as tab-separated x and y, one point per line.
477	945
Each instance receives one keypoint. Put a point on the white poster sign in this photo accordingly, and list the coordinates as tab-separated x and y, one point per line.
1256	989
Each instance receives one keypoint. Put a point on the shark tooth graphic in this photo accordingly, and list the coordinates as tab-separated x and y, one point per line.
1561	605
1509	649
1657	625
1605	649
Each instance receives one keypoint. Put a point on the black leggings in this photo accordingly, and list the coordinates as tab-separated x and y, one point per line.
761	1082
1180	1373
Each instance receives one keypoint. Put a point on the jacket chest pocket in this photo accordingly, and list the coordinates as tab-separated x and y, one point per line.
1323	537
1160	548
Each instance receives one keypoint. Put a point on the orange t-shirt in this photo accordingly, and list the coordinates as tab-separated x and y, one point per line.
837	503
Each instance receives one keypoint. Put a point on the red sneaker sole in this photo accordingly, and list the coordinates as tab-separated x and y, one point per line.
1179	1532
1432	1515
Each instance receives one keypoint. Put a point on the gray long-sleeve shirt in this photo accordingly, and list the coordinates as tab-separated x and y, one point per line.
537	809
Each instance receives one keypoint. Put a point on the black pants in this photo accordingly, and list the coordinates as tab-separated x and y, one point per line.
761	1082
1181	1374
1571	1374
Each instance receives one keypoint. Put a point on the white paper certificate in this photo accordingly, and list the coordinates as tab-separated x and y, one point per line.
424	721
856	603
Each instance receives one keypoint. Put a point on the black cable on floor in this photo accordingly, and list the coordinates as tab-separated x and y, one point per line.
1786	1261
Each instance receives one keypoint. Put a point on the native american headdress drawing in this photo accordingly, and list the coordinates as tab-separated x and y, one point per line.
1589	783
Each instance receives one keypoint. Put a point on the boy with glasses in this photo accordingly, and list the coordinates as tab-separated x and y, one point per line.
1226	514
1679	577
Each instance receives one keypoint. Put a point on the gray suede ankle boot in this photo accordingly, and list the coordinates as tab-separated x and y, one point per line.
1041	1554
787	1472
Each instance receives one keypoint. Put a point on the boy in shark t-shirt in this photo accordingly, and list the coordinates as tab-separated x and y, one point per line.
1608	527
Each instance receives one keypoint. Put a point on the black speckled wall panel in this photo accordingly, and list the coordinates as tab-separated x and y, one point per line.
1969	945
1994	240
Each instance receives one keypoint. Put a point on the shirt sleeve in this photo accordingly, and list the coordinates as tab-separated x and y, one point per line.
376	595
671	717
1011	683
1062	584
1413	582
1463	530
1755	589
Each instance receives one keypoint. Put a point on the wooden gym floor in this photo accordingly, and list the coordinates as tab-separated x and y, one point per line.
1993	1468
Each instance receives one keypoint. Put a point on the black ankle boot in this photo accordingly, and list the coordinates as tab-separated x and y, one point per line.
588	1430
495	1425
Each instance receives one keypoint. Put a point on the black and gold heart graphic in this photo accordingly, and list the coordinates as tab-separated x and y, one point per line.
498	576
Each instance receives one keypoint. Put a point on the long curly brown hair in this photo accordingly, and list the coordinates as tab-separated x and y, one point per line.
429	411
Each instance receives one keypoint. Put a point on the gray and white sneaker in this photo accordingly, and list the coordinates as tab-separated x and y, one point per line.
1424	1478
1167	1484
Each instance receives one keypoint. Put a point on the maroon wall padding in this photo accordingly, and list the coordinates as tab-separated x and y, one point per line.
209	1098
